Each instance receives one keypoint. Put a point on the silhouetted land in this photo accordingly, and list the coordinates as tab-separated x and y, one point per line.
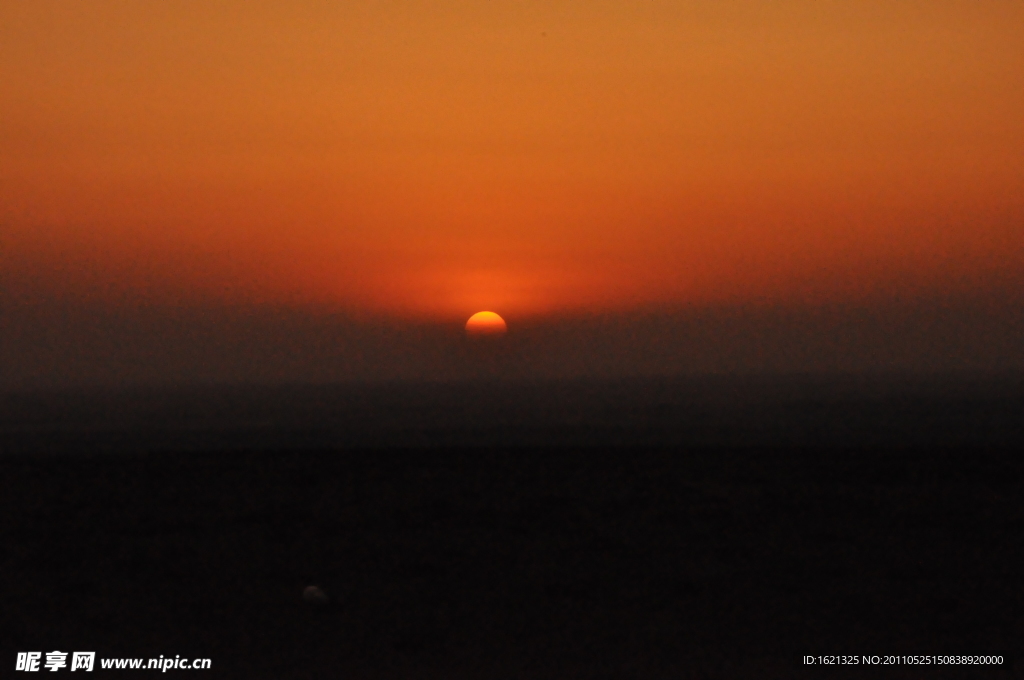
706	527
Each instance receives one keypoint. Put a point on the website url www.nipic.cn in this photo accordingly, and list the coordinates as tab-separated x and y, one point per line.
86	661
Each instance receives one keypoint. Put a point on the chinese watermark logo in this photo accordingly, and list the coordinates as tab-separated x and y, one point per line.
86	661
55	660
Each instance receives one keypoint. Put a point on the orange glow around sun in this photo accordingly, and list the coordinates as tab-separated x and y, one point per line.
426	161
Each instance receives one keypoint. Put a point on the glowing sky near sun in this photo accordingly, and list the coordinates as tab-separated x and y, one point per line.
437	158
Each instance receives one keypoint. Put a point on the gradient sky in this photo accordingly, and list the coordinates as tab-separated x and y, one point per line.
421	161
435	158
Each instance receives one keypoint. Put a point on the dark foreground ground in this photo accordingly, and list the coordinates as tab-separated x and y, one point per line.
733	536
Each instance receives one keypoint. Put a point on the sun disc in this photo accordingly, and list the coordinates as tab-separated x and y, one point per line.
486	324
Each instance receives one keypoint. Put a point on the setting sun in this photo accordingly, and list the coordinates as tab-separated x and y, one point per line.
485	324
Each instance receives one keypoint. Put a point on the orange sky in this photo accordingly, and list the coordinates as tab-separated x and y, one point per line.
437	158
